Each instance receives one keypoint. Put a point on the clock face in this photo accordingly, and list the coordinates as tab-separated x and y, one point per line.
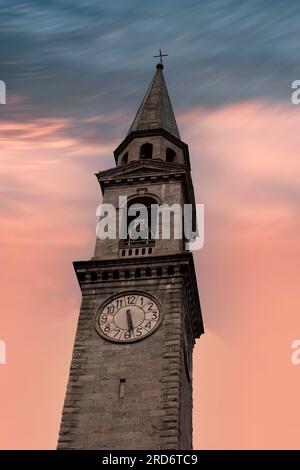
129	317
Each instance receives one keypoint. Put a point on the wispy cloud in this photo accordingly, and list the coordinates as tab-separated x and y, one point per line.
72	61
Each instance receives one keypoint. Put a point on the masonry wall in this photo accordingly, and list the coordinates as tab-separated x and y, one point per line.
149	413
186	408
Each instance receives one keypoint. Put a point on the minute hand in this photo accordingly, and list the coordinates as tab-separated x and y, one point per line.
129	320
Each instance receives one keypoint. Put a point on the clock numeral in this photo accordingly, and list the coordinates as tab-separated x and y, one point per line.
148	325
130	300
154	316
119	303
105	318
107	328
110	309
127	334
138	332
116	332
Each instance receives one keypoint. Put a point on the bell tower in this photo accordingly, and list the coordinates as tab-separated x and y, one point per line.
130	383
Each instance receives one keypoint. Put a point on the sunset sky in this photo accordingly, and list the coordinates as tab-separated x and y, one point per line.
75	73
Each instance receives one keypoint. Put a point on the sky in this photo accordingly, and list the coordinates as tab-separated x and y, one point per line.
75	74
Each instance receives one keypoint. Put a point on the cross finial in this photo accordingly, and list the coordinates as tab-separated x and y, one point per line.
160	55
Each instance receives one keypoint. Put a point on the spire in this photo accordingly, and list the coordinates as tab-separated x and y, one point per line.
156	111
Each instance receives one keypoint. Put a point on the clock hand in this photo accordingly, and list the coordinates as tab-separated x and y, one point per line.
129	320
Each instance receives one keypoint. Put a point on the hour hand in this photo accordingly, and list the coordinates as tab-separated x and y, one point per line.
129	320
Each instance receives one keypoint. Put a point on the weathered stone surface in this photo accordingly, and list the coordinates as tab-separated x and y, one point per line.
157	398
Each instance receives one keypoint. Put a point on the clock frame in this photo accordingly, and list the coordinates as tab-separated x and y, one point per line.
128	317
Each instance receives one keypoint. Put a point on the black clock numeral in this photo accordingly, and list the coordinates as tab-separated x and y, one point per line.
103	319
110	309
116	332
107	328
154	316
139	332
127	334
130	300
119	303
150	306
148	325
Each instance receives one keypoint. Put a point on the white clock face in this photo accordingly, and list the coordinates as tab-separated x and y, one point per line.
128	318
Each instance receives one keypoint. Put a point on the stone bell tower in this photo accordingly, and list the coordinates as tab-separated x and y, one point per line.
130	383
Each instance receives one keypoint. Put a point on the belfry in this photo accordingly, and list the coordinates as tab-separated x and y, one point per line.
130	383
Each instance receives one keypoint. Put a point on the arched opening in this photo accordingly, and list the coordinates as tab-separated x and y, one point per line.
140	229
146	151
170	155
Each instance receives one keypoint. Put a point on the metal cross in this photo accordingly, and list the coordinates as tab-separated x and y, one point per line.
160	55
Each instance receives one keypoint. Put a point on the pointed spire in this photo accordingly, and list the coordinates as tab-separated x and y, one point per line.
156	111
